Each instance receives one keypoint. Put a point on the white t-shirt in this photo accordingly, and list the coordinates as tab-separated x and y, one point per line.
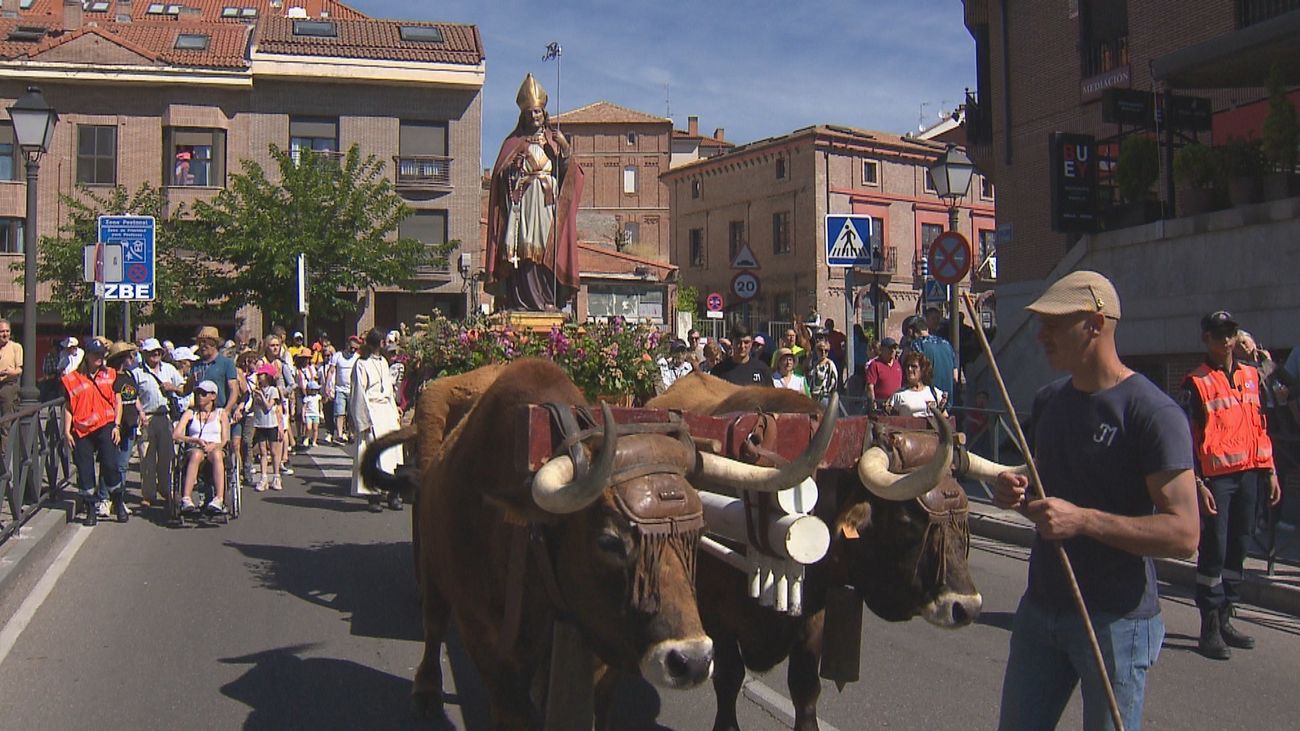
343	370
265	417
906	402
311	405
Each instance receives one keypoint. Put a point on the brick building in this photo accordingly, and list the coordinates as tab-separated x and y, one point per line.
773	196
689	145
1046	68
178	94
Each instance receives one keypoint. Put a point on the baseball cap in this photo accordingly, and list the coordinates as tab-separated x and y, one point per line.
678	346
95	346
70	342
297	334
1081	291
206	385
184	353
760	340
149	345
1219	321
889	343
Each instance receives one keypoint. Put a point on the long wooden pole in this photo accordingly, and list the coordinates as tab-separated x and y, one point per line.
1036	484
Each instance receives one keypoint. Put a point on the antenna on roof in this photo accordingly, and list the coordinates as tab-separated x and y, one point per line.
920	118
668	102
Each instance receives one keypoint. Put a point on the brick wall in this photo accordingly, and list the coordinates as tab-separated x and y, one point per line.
604	151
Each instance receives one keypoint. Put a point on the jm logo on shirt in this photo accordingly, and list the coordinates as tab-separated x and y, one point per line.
1105	434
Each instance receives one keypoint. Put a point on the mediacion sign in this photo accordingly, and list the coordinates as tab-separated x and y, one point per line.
1074	182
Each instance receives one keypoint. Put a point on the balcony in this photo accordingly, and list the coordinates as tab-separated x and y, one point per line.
423	172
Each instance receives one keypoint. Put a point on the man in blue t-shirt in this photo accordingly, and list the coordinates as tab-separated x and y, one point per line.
936	349
215	367
1115	457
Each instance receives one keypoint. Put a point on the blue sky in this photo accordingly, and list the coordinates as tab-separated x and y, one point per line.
757	68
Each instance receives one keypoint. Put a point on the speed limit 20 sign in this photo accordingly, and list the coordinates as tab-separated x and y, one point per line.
744	285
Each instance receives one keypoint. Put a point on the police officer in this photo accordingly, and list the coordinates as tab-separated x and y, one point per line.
1233	453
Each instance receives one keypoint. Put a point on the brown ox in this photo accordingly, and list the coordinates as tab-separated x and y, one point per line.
613	548
899	542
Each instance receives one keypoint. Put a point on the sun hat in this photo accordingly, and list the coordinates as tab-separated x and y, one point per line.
781	353
121	347
1081	291
149	345
265	368
206	385
184	353
208	332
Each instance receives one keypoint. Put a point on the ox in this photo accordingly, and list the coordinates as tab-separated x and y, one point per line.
900	542
610	547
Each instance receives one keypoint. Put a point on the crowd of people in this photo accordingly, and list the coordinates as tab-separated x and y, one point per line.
216	404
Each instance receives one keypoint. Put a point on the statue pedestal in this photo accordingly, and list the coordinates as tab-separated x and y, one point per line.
538	322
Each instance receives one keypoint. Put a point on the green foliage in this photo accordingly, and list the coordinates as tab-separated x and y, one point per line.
1239	158
688	299
1281	130
60	258
611	358
1139	167
339	212
1194	166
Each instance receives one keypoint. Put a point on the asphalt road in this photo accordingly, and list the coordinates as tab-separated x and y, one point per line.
302	614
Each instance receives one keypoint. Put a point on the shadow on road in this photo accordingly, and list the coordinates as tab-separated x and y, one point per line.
320	503
285	690
1001	620
374	583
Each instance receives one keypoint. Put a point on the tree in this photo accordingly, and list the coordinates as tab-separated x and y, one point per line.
339	212
60	258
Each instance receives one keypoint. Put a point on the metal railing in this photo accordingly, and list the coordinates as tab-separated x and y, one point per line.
423	172
37	464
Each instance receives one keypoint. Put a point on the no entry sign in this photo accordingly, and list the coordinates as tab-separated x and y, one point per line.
949	257
714	303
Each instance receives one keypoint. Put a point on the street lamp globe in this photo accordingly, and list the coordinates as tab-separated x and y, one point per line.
34	122
951	175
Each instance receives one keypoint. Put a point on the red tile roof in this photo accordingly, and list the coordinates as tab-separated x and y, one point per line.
154	36
373	39
595	259
603	112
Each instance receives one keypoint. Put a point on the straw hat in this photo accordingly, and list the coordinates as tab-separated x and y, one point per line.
208	333
119	348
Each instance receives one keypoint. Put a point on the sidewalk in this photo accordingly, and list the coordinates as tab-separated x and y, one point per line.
1280	592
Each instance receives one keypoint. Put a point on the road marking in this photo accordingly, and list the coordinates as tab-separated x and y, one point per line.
27	610
775	703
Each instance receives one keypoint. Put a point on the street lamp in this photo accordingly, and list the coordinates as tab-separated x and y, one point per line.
34	122
950	176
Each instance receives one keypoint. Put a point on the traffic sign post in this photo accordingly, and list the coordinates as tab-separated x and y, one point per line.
745	285
848	240
133	238
949	257
713	305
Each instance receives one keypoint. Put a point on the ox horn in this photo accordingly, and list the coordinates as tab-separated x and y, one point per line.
744	476
556	491
986	470
873	468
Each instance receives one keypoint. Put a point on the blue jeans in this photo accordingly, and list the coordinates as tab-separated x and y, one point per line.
86	451
124	446
1050	655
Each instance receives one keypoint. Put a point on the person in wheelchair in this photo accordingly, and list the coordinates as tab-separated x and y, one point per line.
204	429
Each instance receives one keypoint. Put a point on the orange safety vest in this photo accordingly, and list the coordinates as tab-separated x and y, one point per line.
92	403
1235	437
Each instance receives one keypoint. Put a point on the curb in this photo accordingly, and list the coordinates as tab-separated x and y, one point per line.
989	522
25	557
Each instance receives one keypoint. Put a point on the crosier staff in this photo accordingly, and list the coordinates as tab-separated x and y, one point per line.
1036	484
554	51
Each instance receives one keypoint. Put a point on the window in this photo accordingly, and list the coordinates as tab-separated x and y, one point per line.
96	154
632	232
173	10
988	255
781	232
629	179
196	157
248	13
1103	30
696	187
156	9
25	33
229	12
315	28
26	4
9	167
780	168
634	302
95	6
870	172
986	188
735	238
697	247
878	244
420	34
631	138
783	307
427	227
929	182
192	42
929	232
11	235
314	135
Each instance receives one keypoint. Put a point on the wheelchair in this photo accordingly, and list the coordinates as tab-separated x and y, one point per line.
204	490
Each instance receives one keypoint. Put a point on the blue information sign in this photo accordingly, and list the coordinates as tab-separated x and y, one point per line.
134	236
848	240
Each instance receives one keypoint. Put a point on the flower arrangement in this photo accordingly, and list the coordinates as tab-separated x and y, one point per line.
610	359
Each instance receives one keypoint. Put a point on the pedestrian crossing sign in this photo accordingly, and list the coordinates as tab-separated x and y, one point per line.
848	240
935	291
